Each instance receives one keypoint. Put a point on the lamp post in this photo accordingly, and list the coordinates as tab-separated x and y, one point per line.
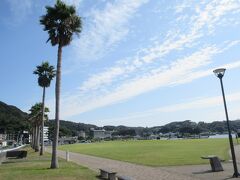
220	73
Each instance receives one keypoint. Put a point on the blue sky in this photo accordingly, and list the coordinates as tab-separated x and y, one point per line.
136	63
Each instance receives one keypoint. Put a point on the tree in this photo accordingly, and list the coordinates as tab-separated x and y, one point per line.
35	119
61	23
45	74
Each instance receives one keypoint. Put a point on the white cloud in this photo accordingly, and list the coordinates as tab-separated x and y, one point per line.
208	17
201	103
179	8
176	73
213	12
75	3
100	79
108	27
133	76
198	104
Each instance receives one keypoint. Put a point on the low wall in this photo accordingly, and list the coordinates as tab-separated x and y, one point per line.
3	152
11	149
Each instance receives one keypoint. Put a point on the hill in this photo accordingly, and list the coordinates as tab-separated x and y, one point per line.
12	119
68	128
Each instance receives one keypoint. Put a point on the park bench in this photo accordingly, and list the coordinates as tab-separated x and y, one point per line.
108	174
16	154
215	163
123	178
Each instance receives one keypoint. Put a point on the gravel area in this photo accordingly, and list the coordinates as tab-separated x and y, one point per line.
140	172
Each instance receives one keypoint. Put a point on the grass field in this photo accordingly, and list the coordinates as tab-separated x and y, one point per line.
35	168
155	152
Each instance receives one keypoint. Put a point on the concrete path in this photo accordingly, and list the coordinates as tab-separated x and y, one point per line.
137	172
140	172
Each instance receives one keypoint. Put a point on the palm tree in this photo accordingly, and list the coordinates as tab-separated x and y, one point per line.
35	118
45	74
61	22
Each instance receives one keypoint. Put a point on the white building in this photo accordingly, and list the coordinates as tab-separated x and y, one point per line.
3	137
3	141
101	134
45	134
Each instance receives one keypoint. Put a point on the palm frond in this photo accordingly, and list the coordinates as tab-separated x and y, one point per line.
45	73
61	22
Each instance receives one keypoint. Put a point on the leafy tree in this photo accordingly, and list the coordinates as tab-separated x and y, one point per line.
126	132
45	74
61	23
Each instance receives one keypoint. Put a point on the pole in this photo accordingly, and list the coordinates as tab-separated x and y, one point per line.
236	174
67	155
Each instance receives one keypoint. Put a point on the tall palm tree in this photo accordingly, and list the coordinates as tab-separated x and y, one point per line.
45	74
61	22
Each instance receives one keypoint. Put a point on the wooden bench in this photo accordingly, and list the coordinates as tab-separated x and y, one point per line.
215	163
108	174
123	178
16	154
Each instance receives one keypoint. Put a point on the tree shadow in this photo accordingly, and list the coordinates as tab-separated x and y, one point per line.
203	172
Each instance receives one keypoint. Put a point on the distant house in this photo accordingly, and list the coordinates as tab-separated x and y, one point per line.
3	141
170	135
152	136
101	134
3	137
67	140
82	134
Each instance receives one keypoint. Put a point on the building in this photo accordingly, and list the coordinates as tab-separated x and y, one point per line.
3	143
3	137
82	134
10	137
45	134
67	140
101	134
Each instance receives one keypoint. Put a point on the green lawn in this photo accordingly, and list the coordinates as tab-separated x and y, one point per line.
155	152
35	167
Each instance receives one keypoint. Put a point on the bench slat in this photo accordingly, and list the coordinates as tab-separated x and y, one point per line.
123	178
108	174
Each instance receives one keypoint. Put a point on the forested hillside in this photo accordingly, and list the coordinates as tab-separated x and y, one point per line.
68	128
12	119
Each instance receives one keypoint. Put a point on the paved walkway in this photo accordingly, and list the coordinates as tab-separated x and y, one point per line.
140	172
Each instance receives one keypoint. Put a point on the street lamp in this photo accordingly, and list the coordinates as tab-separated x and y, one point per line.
220	73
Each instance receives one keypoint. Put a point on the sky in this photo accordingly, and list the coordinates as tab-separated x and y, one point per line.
136	63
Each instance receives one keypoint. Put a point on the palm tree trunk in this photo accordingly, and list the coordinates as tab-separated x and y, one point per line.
35	137
38	138
54	162
32	136
42	127
33	132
